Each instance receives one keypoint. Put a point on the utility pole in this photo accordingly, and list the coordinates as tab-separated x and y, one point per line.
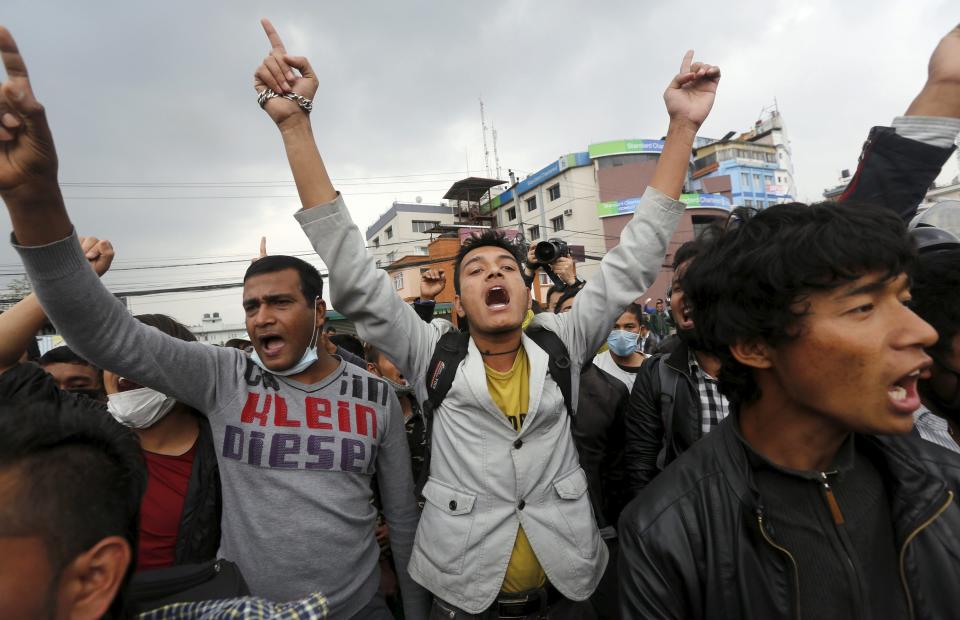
516	202
486	150
496	153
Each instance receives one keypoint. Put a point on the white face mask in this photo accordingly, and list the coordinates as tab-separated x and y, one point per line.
139	408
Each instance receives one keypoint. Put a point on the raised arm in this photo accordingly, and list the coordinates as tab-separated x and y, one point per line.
20	324
632	266
358	290
97	326
899	163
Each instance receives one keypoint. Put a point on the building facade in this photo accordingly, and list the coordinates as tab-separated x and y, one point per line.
401	230
587	198
212	330
755	169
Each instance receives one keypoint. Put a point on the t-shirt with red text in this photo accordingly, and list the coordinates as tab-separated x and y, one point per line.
162	507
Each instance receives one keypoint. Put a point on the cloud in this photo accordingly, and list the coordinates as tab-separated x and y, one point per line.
162	93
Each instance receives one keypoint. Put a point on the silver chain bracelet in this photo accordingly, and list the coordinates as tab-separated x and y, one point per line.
266	94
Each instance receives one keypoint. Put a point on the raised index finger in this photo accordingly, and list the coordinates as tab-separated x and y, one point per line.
275	41
687	61
12	60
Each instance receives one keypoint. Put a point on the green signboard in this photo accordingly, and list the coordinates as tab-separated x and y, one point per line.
622	147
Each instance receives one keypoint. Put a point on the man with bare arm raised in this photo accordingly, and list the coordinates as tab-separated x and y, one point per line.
298	433
507	529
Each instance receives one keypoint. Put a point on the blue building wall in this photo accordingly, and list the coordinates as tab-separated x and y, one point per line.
759	194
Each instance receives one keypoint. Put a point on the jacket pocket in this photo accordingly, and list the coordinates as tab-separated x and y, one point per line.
445	525
575	513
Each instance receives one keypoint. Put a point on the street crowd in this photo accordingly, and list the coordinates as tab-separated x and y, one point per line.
778	438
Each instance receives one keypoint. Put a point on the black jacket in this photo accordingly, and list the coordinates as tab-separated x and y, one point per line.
694	543
645	425
199	535
895	172
598	435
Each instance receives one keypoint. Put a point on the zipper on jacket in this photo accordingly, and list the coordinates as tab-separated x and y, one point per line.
793	561
909	539
831	500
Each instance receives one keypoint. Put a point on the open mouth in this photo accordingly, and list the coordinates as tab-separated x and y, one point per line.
271	345
903	394
125	385
497	297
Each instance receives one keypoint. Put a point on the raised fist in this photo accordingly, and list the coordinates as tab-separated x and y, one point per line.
432	283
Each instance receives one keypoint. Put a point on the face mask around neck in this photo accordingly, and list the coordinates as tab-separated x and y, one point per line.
140	408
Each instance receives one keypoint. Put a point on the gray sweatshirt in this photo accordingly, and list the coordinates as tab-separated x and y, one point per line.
296	460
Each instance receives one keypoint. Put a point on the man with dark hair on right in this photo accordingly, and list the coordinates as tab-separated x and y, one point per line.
73	373
71	480
813	499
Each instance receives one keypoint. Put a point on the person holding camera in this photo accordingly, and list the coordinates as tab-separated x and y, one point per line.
553	256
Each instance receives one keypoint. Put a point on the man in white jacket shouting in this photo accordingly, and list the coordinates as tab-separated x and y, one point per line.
507	529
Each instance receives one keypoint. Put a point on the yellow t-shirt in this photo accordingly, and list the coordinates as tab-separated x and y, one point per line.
510	390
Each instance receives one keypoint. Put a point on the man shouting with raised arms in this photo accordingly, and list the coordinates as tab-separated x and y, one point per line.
299	434
507	529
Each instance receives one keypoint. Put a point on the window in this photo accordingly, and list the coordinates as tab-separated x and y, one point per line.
748	203
392	256
544	279
376	242
554	191
398	281
557	223
420	226
532	203
422	250
757	183
389	232
745	180
534	233
511	214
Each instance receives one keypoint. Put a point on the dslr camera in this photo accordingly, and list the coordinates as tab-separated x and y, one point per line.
550	250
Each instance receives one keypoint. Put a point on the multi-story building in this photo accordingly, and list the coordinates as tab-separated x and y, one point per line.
401	231
213	330
753	170
587	198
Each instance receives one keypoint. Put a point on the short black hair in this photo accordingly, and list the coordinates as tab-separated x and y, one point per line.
79	477
750	281
350	343
167	325
568	293
311	282
62	355
553	290
492	238
371	353
685	252
637	311
936	295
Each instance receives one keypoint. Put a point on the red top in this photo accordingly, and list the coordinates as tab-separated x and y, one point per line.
162	507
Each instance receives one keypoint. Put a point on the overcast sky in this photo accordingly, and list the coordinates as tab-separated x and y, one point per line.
161	93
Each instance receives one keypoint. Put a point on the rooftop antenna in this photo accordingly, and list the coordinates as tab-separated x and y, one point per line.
486	150
496	153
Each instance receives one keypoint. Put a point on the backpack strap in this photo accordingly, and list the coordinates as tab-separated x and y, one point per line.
558	363
451	349
668	388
